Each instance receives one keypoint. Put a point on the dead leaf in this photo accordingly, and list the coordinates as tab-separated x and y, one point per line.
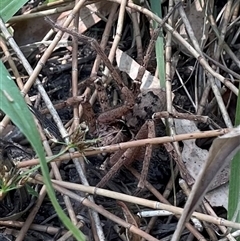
221	153
194	159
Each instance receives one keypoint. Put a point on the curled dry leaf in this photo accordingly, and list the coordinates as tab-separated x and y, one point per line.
195	157
221	153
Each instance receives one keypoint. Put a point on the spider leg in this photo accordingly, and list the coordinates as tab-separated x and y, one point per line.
148	154
114	169
126	157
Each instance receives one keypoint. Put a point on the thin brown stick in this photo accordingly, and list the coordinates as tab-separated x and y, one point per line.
101	210
129	144
140	201
38	227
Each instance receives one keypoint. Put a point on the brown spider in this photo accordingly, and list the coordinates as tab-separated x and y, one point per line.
138	118
147	130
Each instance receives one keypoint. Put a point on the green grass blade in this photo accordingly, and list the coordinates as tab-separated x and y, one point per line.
9	7
159	46
13	105
234	179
